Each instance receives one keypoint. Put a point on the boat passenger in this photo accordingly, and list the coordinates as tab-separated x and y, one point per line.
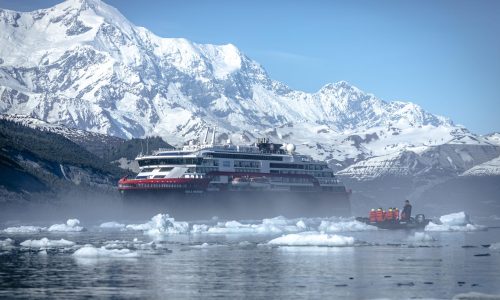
380	215
395	213
406	213
389	215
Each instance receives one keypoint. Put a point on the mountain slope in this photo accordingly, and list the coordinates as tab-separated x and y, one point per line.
82	64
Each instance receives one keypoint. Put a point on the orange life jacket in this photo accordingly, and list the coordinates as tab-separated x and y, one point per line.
380	216
373	216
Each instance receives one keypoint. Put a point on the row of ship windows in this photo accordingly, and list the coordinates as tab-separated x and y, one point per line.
157	185
315	174
237	163
244	170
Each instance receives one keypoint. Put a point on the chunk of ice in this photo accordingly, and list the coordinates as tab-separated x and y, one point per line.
6	244
112	225
89	251
312	238
45	243
454	222
161	224
455	219
24	229
70	226
332	226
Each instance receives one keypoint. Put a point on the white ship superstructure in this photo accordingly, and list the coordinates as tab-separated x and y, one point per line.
211	167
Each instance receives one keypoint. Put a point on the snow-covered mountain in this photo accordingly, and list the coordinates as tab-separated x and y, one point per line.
489	168
84	65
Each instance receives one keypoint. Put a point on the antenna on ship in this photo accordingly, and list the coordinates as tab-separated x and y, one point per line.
142	149
147	145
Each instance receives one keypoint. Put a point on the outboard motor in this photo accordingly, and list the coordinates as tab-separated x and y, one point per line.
420	218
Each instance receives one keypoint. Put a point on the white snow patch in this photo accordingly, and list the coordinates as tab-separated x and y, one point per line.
312	239
89	251
24	229
161	224
112	225
70	226
45	243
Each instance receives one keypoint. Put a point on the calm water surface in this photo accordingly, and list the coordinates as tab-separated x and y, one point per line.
382	264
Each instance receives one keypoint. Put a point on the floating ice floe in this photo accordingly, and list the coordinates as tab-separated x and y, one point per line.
112	225
161	224
45	243
24	229
348	225
70	226
277	225
419	237
455	219
313	239
6	244
89	251
454	222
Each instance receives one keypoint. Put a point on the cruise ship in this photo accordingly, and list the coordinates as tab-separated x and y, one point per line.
261	180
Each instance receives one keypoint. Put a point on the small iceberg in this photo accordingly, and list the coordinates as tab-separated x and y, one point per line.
341	226
6	244
24	229
454	222
89	251
70	226
45	243
161	224
112	225
313	239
